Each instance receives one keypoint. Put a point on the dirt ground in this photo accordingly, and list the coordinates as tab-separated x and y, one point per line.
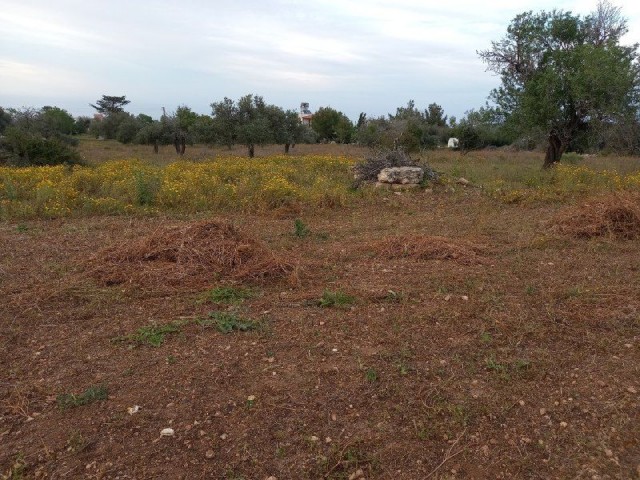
515	356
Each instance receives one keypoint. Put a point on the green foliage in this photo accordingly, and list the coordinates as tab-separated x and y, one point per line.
225	122
371	375
110	104
90	395
227	322
335	299
24	148
81	125
300	229
227	295
152	335
5	119
332	125
562	74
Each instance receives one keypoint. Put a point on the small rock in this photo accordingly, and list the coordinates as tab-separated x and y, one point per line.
167	432
313	438
327	440
632	390
608	452
564	424
223	436
465	298
334	417
133	409
209	454
463	181
251	398
356	475
271	478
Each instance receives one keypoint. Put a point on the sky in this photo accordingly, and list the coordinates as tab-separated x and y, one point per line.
356	56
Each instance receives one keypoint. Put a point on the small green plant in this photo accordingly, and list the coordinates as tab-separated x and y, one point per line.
300	229
492	364
77	442
21	227
393	296
371	375
335	299
227	295
90	395
485	337
16	470
152	335
226	322
171	360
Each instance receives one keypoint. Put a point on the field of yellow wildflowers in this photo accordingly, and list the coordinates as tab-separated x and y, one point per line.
129	186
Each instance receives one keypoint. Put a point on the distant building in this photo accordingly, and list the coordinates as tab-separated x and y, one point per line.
305	114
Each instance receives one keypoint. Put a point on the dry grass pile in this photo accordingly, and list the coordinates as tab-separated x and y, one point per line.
189	256
426	247
616	215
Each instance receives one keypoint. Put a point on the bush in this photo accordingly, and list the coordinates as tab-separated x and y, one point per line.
22	148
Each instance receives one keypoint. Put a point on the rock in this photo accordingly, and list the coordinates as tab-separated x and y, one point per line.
167	432
397	186
209	454
401	175
463	181
356	475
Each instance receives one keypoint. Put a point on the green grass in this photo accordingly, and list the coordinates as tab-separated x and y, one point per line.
90	395
227	322
335	299
152	335
227	295
300	229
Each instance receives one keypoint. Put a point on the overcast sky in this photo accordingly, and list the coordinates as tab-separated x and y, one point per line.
356	56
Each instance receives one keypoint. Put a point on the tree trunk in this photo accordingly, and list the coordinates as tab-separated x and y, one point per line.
183	145
252	149
176	144
156	148
555	149
286	148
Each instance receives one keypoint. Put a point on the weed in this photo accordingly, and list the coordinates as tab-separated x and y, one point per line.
371	375
227	295
226	322
300	229
492	364
17	469
485	337
21	227
90	395
171	360
530	290
152	335
335	299
77	443
393	297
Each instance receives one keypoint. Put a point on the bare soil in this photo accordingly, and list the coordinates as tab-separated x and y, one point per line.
523	363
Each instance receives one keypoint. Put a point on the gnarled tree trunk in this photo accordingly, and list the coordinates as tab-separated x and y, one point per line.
555	149
286	148
252	150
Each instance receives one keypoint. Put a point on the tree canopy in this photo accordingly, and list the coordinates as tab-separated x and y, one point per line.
109	104
563	74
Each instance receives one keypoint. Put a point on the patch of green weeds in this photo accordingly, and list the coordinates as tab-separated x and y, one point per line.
300	229
171	360
16	470
371	375
485	337
226	322
77	442
21	227
227	295
90	395
153	335
393	297
335	299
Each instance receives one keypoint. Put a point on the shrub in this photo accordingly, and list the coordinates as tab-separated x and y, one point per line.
22	148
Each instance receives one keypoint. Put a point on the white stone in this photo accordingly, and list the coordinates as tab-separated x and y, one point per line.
401	175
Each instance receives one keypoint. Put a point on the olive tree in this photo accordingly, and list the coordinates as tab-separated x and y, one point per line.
562	73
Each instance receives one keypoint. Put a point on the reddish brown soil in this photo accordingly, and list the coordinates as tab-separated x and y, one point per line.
523	365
